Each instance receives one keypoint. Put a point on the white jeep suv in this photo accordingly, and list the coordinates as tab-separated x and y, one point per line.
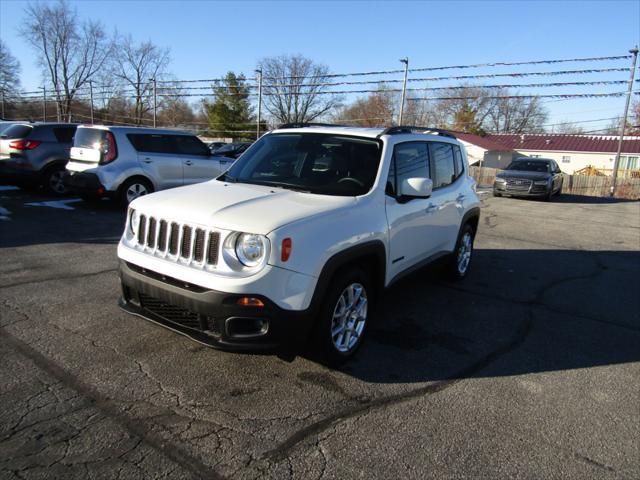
300	236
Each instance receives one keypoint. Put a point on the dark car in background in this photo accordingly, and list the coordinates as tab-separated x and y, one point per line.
232	150
529	177
213	146
35	154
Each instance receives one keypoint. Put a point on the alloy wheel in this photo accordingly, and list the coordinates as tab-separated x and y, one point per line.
349	318
464	253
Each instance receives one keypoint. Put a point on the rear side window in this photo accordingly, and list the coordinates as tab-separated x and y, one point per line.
64	134
445	171
410	159
90	138
153	143
459	159
17	131
191	146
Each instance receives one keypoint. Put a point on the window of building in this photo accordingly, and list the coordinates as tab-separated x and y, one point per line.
535	156
566	159
628	162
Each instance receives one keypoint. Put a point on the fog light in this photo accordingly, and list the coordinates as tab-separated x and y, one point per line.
250	302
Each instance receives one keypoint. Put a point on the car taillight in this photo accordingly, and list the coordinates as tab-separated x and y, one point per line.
111	151
24	144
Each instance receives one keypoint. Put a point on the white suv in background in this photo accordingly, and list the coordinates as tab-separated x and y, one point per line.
300	236
127	162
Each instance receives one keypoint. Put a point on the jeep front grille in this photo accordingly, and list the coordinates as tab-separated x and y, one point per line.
178	242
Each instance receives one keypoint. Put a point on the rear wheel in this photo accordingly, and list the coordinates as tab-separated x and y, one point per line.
345	315
134	188
459	261
53	180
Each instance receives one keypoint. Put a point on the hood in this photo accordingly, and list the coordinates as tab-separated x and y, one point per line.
237	206
524	174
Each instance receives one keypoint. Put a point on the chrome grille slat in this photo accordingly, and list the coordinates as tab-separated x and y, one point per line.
177	242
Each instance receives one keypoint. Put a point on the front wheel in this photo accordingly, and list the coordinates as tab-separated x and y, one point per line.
343	320
460	260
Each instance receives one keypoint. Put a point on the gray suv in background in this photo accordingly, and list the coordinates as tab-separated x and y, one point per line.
34	154
124	163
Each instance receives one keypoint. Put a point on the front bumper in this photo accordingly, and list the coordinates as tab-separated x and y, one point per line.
529	190
209	316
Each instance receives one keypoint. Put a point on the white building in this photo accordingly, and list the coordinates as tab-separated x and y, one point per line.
575	152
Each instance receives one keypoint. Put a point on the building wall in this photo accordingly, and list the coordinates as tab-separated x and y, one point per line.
495	159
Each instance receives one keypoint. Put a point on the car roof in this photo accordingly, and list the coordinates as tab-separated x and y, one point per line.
533	159
376	132
136	129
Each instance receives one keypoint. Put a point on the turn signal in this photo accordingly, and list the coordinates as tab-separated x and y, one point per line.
287	246
250	302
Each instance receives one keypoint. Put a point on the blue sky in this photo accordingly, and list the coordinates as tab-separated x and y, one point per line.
209	38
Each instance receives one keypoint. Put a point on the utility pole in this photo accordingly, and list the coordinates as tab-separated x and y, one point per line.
259	80
623	124
91	94
155	103
44	103
404	87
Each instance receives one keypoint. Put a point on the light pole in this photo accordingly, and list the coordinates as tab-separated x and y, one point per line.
259	80
44	103
91	95
404	87
623	124
155	103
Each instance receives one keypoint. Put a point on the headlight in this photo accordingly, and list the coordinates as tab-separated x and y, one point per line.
541	182
250	249
134	221
500	180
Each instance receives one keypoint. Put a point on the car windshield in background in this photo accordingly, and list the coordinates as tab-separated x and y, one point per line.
17	131
317	163
530	166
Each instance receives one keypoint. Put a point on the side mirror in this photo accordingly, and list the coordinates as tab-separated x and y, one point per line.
416	187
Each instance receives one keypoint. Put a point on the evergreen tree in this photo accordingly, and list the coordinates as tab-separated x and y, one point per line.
230	114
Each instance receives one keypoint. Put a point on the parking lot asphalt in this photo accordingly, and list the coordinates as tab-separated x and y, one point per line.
529	368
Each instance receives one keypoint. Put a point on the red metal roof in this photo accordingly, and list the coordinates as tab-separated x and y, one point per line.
483	142
565	143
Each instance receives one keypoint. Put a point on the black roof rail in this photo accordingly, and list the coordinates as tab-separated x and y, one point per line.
412	129
305	124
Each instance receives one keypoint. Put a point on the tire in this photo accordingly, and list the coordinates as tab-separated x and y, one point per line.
52	180
340	319
459	262
133	188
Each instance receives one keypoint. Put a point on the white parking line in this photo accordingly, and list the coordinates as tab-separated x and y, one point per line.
61	204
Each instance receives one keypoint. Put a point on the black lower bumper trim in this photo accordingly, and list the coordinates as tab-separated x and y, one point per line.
211	317
84	184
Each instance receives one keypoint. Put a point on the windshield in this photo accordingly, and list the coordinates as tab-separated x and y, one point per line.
17	131
325	164
90	138
530	166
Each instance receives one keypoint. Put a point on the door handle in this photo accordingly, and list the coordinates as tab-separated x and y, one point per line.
460	197
431	208
147	160
188	162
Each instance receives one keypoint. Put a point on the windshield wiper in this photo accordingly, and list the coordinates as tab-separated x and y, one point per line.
285	186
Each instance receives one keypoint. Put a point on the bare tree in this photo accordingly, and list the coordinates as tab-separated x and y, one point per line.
9	72
71	52
516	115
568	127
293	88
375	110
465	109
137	65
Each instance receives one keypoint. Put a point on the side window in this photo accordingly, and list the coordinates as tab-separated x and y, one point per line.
191	145
152	143
445	172
64	134
409	160
459	160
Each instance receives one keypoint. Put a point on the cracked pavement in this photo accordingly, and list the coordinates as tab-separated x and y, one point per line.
529	368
